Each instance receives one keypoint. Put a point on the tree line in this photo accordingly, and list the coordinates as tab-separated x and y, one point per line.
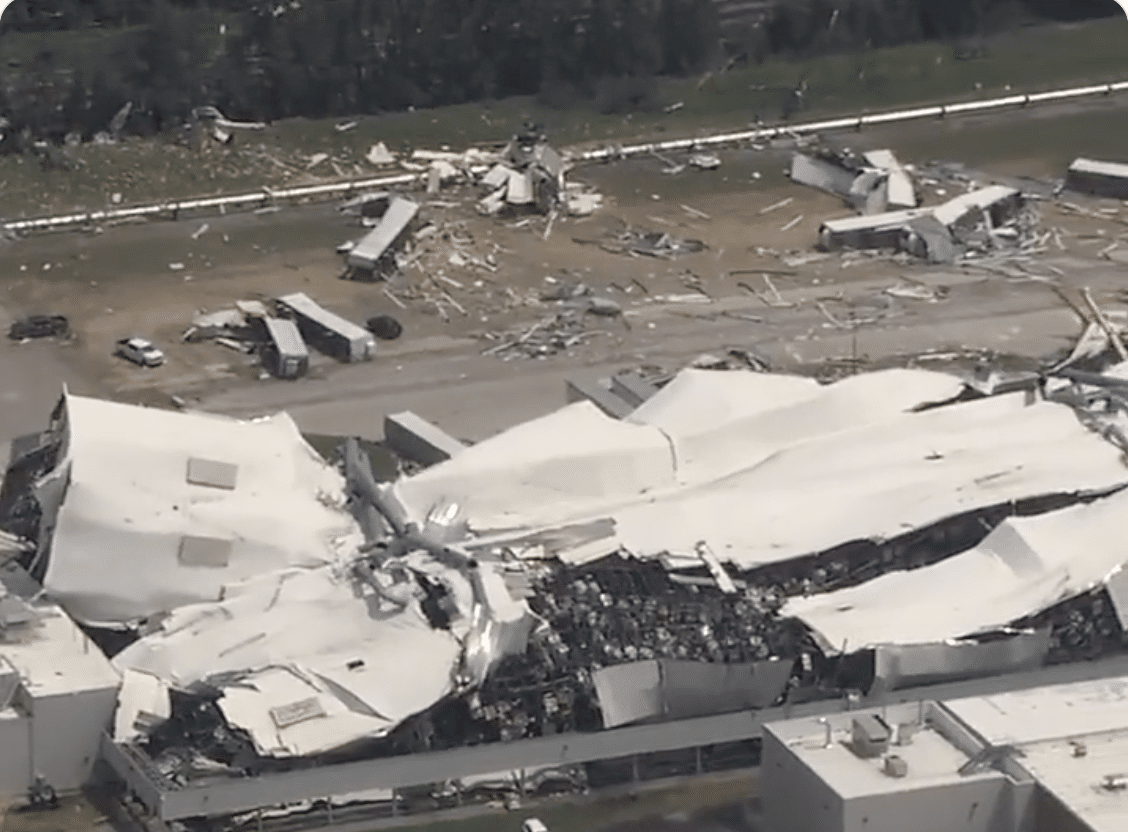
316	58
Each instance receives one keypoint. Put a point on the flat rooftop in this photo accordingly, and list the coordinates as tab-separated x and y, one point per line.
931	759
1055	712
1072	739
1087	777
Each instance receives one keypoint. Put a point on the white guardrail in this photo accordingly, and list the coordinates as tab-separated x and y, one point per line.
269	196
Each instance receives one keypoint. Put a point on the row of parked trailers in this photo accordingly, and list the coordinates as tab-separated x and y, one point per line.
286	354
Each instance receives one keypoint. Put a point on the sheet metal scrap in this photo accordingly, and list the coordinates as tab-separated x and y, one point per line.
635	242
548	336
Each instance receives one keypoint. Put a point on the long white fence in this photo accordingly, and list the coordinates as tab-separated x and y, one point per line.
269	196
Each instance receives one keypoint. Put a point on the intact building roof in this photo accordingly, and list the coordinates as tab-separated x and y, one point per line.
1072	739
931	757
1091	785
1049	713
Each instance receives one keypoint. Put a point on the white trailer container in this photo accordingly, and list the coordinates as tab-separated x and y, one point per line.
366	255
327	331
285	354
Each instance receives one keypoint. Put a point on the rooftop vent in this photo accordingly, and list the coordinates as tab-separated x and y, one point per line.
906	731
895	766
212	473
870	736
208	552
1115	782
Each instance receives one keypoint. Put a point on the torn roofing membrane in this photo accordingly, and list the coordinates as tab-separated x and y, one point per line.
278	641
759	474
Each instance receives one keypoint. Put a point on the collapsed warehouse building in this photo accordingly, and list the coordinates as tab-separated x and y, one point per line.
574	575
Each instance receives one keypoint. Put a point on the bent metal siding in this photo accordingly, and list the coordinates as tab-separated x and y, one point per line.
224	797
268	196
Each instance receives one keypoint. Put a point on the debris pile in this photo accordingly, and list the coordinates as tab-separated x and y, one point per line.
872	183
211	122
530	175
988	217
637	242
551	334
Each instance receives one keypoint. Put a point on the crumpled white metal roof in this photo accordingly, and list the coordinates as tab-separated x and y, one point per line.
767	469
309	659
133	535
1024	566
706	424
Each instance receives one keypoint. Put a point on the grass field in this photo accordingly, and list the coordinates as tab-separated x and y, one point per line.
1025	60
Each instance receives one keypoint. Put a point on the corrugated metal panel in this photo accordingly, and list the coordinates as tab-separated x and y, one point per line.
1024	566
876	222
628	692
520	188
1117	586
549	159
702	688
286	337
672	689
900	186
936	243
954	210
822	175
901	666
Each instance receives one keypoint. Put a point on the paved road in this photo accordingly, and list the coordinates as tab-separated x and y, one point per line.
32	376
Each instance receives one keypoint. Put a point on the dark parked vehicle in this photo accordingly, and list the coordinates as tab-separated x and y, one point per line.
38	326
384	327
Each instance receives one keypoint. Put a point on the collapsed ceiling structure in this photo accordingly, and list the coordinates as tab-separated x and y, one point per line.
147	510
571	573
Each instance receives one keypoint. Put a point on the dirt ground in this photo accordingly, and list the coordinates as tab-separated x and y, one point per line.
149	279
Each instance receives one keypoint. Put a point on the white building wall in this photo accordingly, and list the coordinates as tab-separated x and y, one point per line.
67	731
973	806
15	765
796	799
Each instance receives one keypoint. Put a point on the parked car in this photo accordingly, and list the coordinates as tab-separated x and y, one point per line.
533	825
38	326
140	352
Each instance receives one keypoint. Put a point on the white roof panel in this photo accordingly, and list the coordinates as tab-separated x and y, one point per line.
116	550
761	484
